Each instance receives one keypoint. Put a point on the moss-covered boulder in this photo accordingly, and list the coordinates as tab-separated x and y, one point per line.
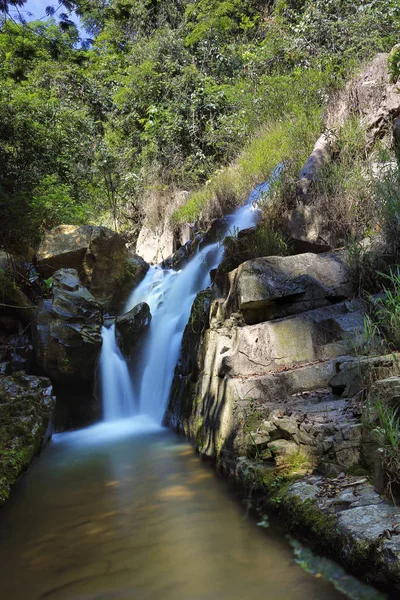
26	408
66	330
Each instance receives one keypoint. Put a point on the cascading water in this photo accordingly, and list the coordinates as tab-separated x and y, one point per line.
116	388
170	295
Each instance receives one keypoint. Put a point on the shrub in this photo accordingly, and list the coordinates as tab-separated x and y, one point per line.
264	241
387	311
394	63
387	201
387	436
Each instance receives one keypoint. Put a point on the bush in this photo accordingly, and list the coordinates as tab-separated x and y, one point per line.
264	241
387	436
394	63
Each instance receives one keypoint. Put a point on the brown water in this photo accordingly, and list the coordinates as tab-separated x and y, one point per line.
138	517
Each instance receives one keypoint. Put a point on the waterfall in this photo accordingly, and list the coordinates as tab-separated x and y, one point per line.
116	387
170	295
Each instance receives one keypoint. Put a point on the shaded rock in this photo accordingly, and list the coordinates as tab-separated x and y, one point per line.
98	254
274	287
130	327
26	408
67	330
136	269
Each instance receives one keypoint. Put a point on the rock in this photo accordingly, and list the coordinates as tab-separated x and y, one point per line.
281	449
375	99
130	327
63	247
387	391
26	408
67	330
274	287
271	380
154	246
320	155
368	523
179	258
158	239
354	374
315	335
136	269
98	254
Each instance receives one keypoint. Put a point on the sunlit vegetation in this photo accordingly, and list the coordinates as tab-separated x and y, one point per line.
169	95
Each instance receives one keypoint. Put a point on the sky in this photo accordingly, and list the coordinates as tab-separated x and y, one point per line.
36	9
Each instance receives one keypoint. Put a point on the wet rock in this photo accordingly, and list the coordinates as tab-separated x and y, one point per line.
130	327
26	408
98	254
66	330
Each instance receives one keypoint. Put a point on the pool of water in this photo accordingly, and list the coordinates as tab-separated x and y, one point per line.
130	512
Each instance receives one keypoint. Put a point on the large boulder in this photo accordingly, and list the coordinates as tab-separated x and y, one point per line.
98	254
269	288
130	327
26	408
66	330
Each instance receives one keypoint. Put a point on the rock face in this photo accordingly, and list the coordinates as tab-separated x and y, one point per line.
279	330
155	246
67	330
130	327
275	287
98	254
26	408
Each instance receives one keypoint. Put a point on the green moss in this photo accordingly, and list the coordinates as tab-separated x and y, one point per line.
199	314
198	426
23	423
253	421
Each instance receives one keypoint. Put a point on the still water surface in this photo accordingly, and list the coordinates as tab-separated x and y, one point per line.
130	513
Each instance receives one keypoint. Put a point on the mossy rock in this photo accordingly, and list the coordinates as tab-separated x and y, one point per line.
26	408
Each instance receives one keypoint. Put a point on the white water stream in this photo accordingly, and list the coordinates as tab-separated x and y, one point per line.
170	295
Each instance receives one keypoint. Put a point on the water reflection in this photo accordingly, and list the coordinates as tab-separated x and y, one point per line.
138	518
